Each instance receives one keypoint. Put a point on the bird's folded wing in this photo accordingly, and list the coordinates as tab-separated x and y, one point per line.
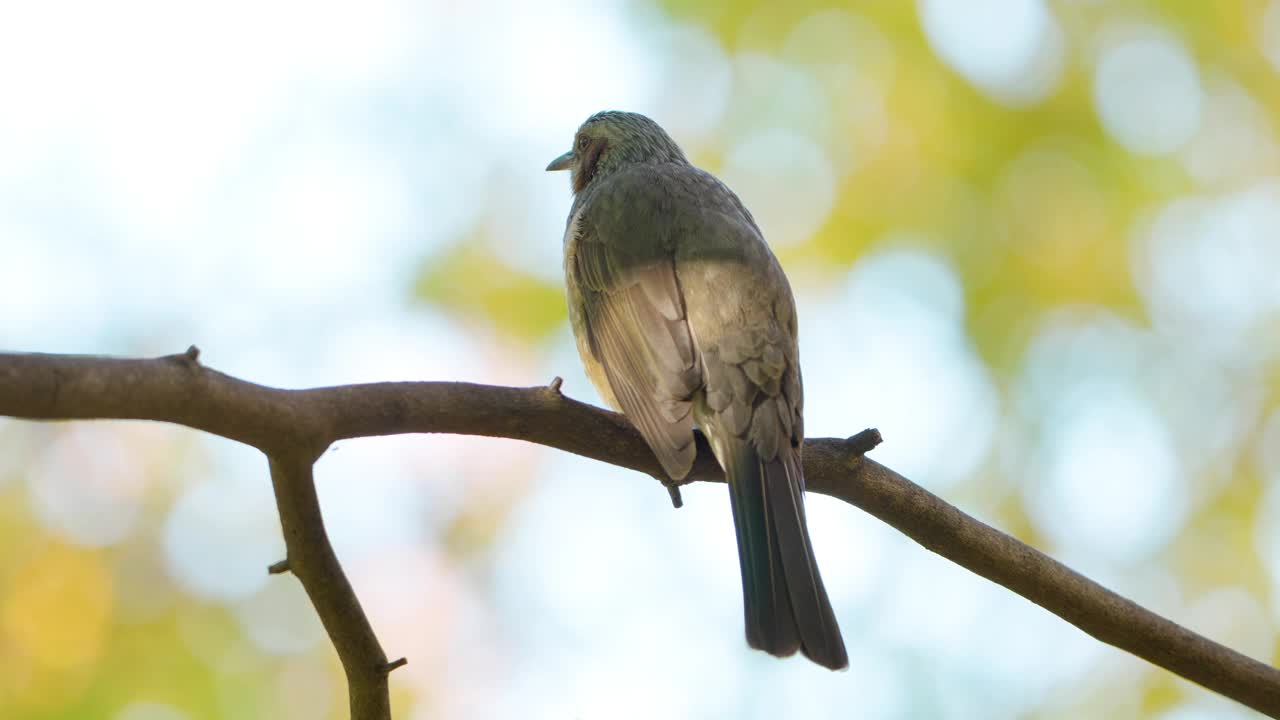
638	331
742	316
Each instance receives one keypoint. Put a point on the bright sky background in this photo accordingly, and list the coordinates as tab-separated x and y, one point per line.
265	181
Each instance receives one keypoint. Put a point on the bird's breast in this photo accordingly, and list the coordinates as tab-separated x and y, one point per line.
578	318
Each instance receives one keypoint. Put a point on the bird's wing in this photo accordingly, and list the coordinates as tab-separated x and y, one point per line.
622	263
742	316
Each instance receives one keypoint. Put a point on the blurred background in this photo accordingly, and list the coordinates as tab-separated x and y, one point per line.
1036	243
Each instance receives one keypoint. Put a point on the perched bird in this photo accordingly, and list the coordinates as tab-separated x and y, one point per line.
683	316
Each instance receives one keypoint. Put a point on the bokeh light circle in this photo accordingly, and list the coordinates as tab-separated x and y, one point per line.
1018	64
221	535
1146	89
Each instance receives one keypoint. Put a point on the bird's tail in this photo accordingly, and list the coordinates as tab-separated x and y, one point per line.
783	597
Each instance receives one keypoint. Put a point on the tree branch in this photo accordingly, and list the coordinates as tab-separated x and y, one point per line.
294	426
312	560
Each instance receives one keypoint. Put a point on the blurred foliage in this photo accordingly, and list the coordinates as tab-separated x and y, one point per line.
472	280
1034	207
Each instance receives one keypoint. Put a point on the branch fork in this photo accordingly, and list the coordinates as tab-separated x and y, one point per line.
293	427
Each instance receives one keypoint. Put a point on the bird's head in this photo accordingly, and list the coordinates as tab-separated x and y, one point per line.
611	140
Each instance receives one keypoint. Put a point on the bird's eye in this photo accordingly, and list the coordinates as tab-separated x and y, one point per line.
582	142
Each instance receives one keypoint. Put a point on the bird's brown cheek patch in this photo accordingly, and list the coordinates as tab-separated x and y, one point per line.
590	157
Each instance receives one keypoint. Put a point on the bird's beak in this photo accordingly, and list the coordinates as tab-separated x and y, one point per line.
561	163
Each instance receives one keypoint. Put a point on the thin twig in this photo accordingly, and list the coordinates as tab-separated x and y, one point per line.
386	668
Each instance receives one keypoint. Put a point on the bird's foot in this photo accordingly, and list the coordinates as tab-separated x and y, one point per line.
674	491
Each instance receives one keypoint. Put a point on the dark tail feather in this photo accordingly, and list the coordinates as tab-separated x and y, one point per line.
785	603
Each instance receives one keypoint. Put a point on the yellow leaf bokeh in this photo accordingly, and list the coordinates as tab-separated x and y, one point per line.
58	608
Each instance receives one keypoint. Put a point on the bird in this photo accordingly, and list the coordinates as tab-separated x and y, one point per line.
684	318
